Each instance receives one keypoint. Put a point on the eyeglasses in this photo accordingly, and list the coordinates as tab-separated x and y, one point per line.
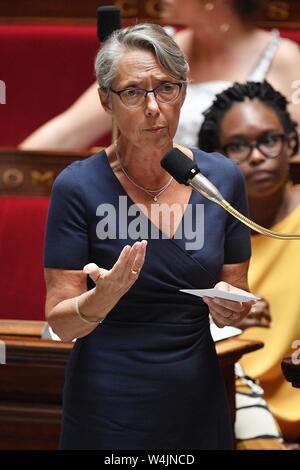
270	145
134	97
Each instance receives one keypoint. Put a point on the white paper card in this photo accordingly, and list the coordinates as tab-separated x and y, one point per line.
221	294
222	333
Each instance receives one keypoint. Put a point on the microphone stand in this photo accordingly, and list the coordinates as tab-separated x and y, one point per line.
201	184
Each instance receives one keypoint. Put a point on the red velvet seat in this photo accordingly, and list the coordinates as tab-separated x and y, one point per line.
45	68
292	34
22	226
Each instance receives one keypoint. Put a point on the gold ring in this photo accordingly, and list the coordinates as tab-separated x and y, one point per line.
135	271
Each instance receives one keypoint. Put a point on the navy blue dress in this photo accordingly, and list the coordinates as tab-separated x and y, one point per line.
148	376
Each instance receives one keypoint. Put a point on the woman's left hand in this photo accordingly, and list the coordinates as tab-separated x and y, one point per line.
227	312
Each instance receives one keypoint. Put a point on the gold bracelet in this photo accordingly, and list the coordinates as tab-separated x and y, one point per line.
83	317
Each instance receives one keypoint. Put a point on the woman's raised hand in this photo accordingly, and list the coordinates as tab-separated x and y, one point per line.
118	280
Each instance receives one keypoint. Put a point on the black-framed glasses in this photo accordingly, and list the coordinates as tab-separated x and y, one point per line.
270	145
134	97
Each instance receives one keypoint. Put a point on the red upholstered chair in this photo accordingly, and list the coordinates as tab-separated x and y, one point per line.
22	288
45	67
293	34
25	183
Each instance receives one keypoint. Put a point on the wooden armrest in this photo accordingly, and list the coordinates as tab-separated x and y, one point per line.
22	328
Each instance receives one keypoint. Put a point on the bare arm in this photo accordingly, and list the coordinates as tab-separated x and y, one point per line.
63	287
77	127
234	279
284	76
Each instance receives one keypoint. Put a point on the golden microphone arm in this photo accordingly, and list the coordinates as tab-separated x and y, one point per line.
207	189
254	226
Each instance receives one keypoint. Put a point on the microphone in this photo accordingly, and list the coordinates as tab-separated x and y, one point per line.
185	171
108	20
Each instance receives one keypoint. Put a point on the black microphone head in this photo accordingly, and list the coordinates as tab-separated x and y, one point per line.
108	20
181	167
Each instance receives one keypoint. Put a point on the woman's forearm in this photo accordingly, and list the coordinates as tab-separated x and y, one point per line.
67	324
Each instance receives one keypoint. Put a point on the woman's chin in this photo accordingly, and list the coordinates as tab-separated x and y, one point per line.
261	190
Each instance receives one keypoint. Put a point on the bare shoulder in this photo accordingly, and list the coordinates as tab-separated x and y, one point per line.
287	54
184	39
285	67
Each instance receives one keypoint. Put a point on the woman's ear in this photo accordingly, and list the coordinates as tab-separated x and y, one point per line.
105	100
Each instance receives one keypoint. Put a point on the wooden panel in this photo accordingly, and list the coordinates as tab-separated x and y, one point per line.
31	384
31	173
280	14
29	427
22	328
76	11
277	13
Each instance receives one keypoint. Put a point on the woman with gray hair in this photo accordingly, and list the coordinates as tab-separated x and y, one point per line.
143	373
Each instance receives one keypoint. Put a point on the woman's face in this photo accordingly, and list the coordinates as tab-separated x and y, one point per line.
153	124
191	13
180	11
250	122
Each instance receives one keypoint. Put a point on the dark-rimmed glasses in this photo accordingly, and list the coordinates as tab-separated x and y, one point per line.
270	145
134	97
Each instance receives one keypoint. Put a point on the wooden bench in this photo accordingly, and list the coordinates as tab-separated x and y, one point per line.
31	383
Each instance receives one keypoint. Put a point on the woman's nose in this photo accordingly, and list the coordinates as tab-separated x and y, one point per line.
151	105
256	156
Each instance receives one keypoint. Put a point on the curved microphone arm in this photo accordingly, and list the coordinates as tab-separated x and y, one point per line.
208	190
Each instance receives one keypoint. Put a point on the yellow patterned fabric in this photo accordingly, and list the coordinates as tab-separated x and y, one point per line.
275	274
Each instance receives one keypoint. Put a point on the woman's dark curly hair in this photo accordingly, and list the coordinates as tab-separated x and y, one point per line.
248	8
239	92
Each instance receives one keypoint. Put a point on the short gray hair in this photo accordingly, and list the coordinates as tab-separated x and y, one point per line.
147	36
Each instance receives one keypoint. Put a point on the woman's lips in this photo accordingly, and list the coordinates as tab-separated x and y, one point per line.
154	129
261	175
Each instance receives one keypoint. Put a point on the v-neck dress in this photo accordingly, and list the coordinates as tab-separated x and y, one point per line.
148	376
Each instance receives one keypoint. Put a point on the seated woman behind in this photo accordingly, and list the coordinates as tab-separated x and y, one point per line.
222	44
250	124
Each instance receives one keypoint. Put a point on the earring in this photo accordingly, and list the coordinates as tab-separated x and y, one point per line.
224	28
209	6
